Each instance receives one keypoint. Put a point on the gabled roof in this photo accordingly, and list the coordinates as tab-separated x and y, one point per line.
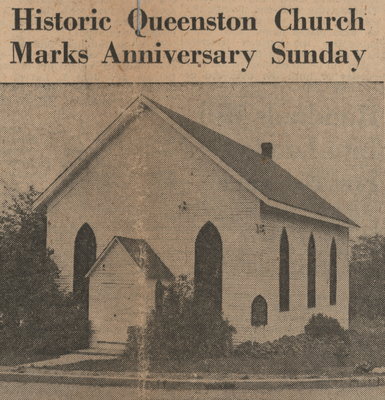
262	176
262	173
143	255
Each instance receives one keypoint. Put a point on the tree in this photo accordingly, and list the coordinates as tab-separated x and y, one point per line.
367	277
35	315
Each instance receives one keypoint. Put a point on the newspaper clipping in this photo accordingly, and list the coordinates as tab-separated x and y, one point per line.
192	199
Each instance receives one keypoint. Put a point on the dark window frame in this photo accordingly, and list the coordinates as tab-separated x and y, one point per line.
284	272
311	273
159	294
333	273
259	311
208	281
84	257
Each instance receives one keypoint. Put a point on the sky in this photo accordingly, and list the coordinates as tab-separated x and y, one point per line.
328	135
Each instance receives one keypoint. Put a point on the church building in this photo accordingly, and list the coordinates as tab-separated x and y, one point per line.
158	195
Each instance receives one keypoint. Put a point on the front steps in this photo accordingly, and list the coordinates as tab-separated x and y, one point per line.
104	349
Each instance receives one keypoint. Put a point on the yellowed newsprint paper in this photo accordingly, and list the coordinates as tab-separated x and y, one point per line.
192	199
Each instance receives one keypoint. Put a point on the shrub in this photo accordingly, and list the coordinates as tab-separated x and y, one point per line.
56	328
134	342
325	343
36	317
300	352
322	326
182	329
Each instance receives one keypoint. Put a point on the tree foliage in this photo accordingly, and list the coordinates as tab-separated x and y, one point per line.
367	277
323	326
182	328
35	315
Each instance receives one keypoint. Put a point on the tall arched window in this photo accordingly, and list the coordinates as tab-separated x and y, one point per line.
259	311
311	273
159	292
208	267
333	273
84	258
284	273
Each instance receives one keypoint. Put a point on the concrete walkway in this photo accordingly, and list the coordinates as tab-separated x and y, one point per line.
35	373
29	375
67	359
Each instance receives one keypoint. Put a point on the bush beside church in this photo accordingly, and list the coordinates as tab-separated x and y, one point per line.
36	317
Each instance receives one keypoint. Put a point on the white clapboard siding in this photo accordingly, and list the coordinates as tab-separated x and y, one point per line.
120	297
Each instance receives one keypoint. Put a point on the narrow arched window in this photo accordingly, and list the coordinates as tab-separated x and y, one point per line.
84	258
259	311
311	273
333	273
284	273
208	268
159	292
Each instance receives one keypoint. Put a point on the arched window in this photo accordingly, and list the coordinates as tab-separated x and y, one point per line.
333	273
208	267
84	258
259	311
311	273
284	273
159	292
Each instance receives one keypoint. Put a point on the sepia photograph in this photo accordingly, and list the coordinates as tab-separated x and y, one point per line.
185	236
